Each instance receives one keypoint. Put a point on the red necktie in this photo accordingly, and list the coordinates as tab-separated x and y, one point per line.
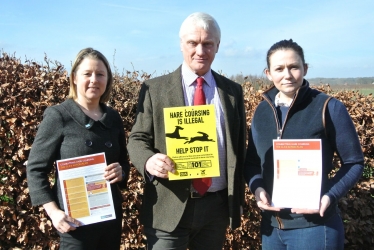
202	184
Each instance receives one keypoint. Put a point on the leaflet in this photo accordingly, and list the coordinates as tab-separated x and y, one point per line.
297	173
191	141
86	194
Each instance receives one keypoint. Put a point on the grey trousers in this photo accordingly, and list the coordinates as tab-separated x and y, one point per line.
202	226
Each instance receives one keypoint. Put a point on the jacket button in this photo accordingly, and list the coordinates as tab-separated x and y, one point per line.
88	143
108	144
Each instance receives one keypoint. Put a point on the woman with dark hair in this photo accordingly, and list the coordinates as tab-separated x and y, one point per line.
81	125
292	110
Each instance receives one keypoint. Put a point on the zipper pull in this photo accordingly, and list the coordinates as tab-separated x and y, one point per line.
279	134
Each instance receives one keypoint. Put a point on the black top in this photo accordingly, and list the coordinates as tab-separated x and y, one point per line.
67	132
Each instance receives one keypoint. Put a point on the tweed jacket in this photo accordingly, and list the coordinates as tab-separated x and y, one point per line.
164	201
67	132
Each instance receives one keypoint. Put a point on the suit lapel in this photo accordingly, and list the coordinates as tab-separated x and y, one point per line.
174	94
228	103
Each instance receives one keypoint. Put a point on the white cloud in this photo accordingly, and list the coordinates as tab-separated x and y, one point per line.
230	52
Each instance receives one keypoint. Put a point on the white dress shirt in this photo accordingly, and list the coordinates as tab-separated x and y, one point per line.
212	97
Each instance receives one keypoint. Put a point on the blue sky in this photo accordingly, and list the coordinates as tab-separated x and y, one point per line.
337	35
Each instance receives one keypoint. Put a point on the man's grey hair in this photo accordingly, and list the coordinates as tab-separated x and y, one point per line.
202	20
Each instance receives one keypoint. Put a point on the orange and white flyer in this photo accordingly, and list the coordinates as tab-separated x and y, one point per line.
297	173
191	141
86	193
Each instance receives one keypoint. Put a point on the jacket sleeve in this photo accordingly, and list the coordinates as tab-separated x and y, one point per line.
42	157
140	145
241	148
343	137
252	166
123	161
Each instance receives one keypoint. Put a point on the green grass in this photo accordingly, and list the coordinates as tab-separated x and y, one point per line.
366	91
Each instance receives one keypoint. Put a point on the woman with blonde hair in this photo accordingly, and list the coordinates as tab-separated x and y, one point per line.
81	125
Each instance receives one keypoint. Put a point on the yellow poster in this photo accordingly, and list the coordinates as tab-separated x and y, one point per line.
191	141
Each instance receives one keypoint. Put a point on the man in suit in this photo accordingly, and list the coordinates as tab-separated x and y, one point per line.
174	214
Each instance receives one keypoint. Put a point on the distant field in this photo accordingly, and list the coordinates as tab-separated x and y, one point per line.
364	89
367	91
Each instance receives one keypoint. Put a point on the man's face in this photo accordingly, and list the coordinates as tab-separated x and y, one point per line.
199	48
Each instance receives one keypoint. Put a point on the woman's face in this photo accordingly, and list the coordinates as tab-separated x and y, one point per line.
286	71
91	79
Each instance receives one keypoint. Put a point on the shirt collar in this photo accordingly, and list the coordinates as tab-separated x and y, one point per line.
189	77
279	103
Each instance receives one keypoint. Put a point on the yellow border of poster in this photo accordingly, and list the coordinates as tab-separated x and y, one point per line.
191	141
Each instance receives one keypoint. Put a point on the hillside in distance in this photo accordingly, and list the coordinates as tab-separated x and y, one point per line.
240	78
341	81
